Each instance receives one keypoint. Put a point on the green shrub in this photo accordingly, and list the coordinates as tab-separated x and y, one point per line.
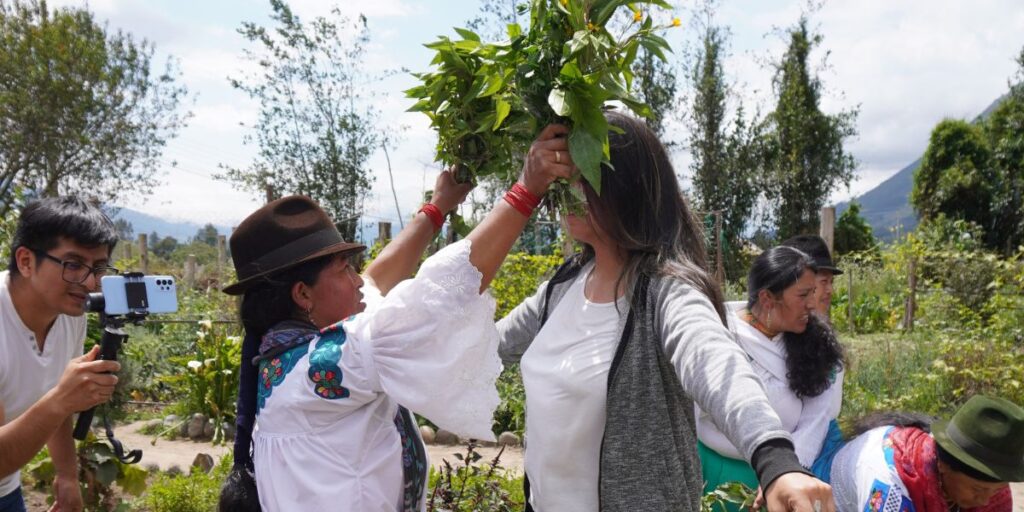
519	277
195	492
510	416
472	486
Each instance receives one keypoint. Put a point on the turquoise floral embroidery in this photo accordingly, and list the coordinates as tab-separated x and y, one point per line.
323	364
273	371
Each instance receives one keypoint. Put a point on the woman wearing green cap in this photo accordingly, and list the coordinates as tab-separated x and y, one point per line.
962	464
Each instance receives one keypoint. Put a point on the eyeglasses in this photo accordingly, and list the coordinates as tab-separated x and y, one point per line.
77	272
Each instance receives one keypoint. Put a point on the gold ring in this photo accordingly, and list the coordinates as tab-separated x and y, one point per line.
558	157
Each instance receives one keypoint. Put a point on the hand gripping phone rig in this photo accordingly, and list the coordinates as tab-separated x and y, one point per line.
127	298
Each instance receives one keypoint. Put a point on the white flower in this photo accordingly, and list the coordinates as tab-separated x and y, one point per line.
195	365
206	323
209	362
226	371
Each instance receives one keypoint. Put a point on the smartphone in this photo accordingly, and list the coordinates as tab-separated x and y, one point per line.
139	294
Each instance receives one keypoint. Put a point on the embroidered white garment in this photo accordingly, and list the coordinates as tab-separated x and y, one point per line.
807	419
325	436
864	476
565	373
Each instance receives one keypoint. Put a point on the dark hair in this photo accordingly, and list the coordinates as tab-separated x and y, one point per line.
813	356
643	210
44	222
892	419
263	306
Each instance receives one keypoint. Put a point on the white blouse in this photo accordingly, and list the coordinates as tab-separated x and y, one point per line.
325	436
565	374
806	418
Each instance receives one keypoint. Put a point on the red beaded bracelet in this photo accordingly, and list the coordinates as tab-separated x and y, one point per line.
522	199
434	214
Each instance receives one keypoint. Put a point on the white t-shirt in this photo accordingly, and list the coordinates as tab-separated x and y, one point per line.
565	373
25	373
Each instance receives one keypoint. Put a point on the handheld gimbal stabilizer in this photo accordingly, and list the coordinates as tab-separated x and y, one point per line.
125	299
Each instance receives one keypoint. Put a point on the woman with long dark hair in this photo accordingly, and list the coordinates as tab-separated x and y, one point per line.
620	343
334	363
795	355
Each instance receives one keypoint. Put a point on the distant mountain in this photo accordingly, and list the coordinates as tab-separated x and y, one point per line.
145	223
888	205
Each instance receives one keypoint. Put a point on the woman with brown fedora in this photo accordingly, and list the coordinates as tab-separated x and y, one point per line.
334	362
907	463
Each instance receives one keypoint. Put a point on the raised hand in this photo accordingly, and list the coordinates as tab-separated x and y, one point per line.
547	160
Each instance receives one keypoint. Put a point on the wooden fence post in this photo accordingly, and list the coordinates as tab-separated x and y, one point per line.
144	253
849	302
908	315
383	232
127	250
269	190
190	271
828	226
222	253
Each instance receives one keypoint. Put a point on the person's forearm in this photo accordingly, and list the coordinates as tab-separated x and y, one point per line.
493	238
399	258
22	438
62	451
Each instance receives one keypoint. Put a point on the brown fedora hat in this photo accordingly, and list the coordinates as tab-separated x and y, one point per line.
281	235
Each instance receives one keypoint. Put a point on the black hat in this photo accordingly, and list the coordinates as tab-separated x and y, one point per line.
986	434
815	247
281	235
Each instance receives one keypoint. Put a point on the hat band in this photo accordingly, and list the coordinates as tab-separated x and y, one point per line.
979	451
293	251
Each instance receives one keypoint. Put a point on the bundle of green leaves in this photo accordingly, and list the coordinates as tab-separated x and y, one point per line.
489	100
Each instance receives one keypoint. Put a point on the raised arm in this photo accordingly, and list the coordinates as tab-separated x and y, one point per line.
399	258
547	161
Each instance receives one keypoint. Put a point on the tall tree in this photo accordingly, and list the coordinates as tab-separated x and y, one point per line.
803	157
315	133
82	108
723	157
853	233
1005	134
955	177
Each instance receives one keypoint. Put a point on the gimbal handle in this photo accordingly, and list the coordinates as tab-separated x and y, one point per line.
110	344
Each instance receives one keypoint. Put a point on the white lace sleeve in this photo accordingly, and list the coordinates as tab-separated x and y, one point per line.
434	344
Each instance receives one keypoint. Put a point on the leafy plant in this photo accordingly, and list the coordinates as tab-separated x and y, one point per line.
209	377
728	496
196	492
471	487
487	100
98	471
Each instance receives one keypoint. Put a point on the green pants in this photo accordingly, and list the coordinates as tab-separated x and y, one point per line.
718	470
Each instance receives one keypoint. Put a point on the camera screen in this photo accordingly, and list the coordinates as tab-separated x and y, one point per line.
135	292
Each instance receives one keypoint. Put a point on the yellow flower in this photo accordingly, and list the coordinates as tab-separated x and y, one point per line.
565	3
676	22
638	16
591	27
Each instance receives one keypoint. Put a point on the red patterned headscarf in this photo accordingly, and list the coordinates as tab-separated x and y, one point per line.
917	465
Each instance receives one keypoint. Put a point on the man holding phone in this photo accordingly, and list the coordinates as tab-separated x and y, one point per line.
61	249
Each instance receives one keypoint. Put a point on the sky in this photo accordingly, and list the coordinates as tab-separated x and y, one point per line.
904	65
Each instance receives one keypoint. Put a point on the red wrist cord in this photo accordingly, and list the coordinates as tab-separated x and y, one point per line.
434	214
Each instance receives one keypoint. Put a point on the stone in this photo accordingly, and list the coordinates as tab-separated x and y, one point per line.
174	470
508	439
153	425
171	419
208	430
196	426
427	434
203	462
229	430
445	437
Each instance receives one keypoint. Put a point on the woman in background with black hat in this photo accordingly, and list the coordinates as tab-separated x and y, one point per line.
335	386
905	462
